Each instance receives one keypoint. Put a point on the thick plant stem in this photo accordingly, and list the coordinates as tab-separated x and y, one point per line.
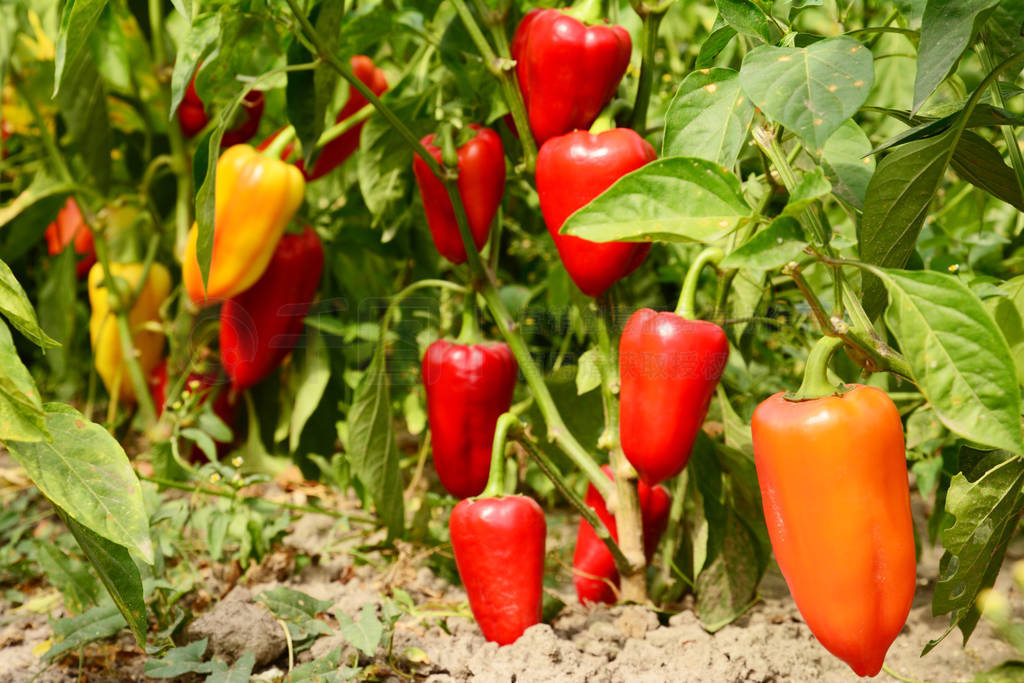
626	504
687	306
496	476
551	471
638	119
816	383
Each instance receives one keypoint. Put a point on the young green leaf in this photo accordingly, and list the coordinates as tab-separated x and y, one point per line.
809	90
957	355
673	199
812	187
708	118
748	19
773	247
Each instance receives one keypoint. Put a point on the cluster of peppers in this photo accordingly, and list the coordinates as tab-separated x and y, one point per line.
849	561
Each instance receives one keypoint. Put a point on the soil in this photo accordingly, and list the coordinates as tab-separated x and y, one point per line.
593	645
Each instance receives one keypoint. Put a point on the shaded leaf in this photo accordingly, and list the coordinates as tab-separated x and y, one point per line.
14	304
847	163
73	632
773	247
22	417
309	93
977	161
200	37
76	23
312	377
83	106
946	30
713	45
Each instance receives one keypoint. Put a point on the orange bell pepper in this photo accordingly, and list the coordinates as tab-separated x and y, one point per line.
255	198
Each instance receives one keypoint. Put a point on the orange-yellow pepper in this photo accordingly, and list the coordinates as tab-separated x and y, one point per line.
256	197
106	342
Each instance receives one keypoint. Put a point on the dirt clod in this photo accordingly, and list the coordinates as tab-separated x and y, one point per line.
237	624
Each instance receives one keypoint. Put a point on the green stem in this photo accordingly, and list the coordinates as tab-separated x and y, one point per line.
816	383
687	306
275	148
1009	137
496	477
551	471
345	125
587	11
470	330
649	45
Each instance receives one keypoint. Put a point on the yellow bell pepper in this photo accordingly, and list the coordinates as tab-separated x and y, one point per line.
256	197
106	342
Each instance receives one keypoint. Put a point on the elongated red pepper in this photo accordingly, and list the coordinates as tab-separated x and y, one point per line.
668	368
262	324
573	169
567	71
833	475
192	116
468	387
335	152
67	229
481	187
594	570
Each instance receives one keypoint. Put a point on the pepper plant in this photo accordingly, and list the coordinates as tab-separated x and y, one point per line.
783	175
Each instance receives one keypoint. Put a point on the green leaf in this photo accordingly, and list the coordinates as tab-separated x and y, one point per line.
298	610
200	37
57	309
117	571
41	187
372	451
9	28
240	672
986	505
22	417
83	106
1008	313
727	585
588	373
310	93
898	198
15	305
179	661
946	30
74	581
673	199
86	473
74	632
957	355
713	45
748	19
773	247
847	163
809	90
708	118
365	634
76	23
977	161
385	160
812	187
313	377
1003	30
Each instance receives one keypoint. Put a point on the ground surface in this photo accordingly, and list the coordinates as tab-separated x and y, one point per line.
770	643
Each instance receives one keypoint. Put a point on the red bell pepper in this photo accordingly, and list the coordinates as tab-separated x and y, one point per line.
668	368
192	116
594	570
223	406
468	387
481	186
260	326
567	71
335	152
67	229
572	169
499	551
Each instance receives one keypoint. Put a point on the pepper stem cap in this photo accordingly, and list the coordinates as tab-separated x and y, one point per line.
816	383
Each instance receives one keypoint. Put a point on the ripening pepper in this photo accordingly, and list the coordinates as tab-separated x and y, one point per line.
103	333
567	71
192	116
468	387
594	570
572	169
255	199
335	152
481	186
205	384
67	229
499	551
668	369
262	324
833	479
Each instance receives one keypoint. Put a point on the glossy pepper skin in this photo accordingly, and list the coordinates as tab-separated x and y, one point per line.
833	478
499	550
255	199
103	333
481	186
335	152
567	71
67	229
192	116
262	324
668	369
592	563
468	387
572	169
